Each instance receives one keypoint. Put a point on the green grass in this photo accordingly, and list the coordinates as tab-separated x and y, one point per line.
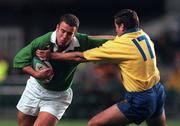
77	123
73	123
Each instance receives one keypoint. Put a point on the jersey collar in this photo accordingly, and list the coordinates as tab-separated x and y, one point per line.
74	43
132	30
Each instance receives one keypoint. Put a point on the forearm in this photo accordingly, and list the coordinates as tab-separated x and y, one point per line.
39	74
102	36
29	70
73	56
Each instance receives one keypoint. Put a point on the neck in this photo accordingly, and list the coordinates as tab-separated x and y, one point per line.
62	47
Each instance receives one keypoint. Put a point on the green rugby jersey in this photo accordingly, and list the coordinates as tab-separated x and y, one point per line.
63	70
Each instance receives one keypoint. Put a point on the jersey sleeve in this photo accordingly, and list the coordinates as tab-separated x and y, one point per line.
24	56
87	42
110	51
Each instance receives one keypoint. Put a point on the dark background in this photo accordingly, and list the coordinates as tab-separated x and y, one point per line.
43	15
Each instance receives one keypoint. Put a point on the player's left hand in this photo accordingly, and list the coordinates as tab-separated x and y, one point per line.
43	54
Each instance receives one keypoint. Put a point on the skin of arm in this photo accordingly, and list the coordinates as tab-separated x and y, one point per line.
73	56
103	36
41	74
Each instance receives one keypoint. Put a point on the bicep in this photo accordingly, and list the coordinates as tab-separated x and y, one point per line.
24	56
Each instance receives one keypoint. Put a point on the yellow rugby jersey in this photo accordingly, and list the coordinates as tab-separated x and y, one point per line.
135	54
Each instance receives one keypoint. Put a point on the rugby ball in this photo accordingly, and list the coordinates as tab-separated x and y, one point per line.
38	64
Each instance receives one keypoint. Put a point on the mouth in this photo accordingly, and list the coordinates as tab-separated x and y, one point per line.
61	42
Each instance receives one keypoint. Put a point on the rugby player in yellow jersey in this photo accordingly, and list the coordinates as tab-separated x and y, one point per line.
134	51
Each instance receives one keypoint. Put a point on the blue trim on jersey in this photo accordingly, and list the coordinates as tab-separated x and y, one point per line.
140	49
132	30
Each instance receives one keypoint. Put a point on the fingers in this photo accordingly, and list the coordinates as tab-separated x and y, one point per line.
46	73
43	54
46	70
40	54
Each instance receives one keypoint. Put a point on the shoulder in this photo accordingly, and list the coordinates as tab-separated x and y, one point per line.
44	37
42	41
81	36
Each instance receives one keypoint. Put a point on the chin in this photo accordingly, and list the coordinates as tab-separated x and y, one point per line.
59	44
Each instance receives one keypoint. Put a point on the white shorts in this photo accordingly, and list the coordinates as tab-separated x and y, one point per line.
36	99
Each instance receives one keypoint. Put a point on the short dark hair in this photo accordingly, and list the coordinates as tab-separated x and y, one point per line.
70	19
128	17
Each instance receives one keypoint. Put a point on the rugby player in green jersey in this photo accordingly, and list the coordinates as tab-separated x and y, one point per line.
44	104
134	52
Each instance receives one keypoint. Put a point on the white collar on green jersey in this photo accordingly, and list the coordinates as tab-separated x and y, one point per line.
73	44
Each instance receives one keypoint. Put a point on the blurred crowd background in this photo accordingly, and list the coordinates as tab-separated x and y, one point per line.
96	86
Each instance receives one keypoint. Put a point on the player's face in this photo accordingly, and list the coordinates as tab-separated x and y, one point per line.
64	33
119	29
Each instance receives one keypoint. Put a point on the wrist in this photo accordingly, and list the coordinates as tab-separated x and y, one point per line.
50	56
34	74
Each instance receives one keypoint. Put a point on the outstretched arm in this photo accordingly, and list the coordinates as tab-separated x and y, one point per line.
75	56
102	36
46	55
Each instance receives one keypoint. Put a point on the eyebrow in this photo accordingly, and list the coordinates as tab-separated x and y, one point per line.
70	33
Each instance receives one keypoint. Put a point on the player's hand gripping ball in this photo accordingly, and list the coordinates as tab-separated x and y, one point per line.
38	64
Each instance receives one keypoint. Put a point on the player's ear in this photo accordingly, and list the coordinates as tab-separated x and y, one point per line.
123	27
74	34
57	26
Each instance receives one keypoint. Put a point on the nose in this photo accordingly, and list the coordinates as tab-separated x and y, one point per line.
65	35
